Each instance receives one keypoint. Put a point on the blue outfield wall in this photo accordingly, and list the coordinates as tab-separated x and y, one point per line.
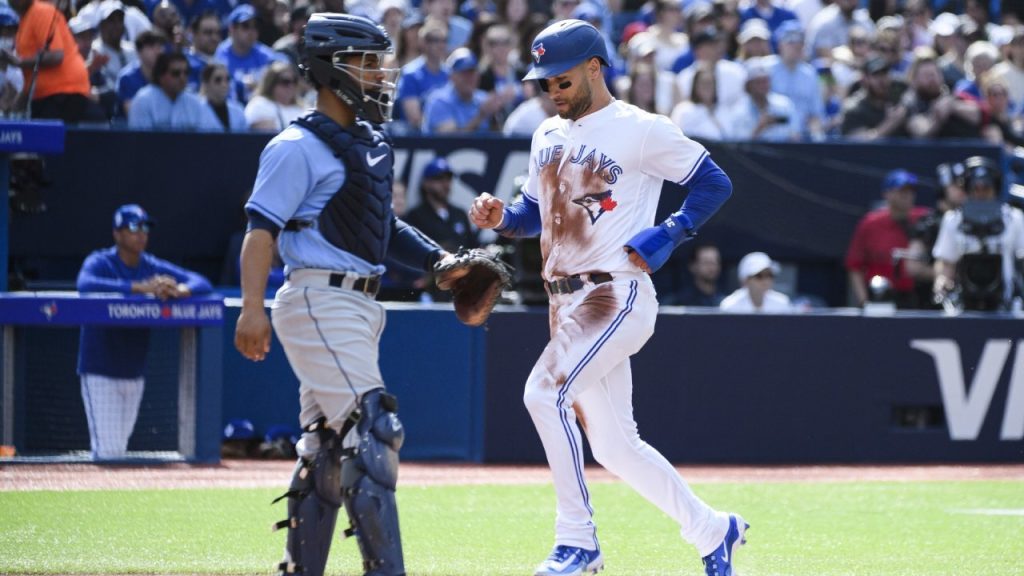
707	387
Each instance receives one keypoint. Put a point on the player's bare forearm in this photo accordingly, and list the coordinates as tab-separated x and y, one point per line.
252	333
257	256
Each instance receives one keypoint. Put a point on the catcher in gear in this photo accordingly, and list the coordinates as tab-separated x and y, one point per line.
476	278
323	194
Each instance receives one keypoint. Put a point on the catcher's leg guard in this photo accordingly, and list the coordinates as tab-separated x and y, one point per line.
314	497
368	482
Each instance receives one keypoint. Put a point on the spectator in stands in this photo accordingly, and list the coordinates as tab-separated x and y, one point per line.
641	88
754	40
297	18
932	111
562	9
12	80
459	28
699	17
421	77
848	60
114	50
216	83
460	106
524	120
167	19
497	74
276	102
831	26
891	43
435	216
205	30
919	15
762	114
878	237
112	361
756	273
729	76
1011	70
770	12
62	86
391	14
149	46
703	116
797	80
267	31
1002	127
668	41
875	110
705	265
164	104
246	57
980	58
951	43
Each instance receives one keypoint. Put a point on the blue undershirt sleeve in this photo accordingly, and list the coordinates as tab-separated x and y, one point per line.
521	219
258	221
411	247
707	190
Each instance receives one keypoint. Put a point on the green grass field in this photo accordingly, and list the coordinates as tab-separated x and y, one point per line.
841	529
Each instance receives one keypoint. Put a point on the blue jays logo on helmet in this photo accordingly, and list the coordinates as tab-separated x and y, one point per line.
563	45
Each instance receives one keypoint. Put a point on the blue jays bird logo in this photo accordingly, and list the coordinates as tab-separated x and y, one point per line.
49	310
597	204
538	52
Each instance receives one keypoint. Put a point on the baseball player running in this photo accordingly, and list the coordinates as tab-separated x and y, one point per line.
595	174
323	189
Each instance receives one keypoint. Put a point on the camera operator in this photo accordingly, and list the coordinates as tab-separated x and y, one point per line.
979	245
918	261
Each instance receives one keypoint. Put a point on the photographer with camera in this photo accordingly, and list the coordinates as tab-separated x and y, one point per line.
980	245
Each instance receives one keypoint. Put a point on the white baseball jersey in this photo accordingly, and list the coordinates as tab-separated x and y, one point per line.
951	243
604	170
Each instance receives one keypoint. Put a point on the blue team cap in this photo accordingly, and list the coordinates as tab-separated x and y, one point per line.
789	31
239	429
899	179
241	13
437	167
279	431
461	60
8	17
130	214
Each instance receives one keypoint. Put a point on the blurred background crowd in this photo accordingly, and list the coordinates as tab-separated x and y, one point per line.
783	70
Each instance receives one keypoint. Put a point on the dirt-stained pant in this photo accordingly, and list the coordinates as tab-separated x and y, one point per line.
584	375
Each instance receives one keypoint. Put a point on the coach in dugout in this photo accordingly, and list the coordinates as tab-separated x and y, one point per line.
111	361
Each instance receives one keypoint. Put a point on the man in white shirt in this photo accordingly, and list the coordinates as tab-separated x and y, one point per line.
757	274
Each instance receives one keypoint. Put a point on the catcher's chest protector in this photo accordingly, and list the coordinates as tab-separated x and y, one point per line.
357	218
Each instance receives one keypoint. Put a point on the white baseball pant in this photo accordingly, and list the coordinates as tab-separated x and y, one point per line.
583	375
111	407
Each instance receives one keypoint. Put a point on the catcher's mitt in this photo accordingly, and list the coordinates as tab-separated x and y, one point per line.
476	278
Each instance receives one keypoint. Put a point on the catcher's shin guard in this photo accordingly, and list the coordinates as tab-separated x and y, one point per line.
368	482
314	497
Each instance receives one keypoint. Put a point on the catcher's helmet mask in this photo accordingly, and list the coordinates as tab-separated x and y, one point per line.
563	45
327	44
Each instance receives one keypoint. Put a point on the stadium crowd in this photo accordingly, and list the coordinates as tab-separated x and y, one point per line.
781	70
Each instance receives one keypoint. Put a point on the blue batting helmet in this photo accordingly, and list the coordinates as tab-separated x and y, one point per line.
563	45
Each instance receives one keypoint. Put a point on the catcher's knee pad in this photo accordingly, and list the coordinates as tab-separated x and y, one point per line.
368	482
314	497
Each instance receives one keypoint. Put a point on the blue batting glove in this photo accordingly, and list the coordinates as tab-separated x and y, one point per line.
656	243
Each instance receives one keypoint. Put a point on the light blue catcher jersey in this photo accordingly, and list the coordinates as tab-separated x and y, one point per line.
297	176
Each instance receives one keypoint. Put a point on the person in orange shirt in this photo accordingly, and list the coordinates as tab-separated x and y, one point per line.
62	84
